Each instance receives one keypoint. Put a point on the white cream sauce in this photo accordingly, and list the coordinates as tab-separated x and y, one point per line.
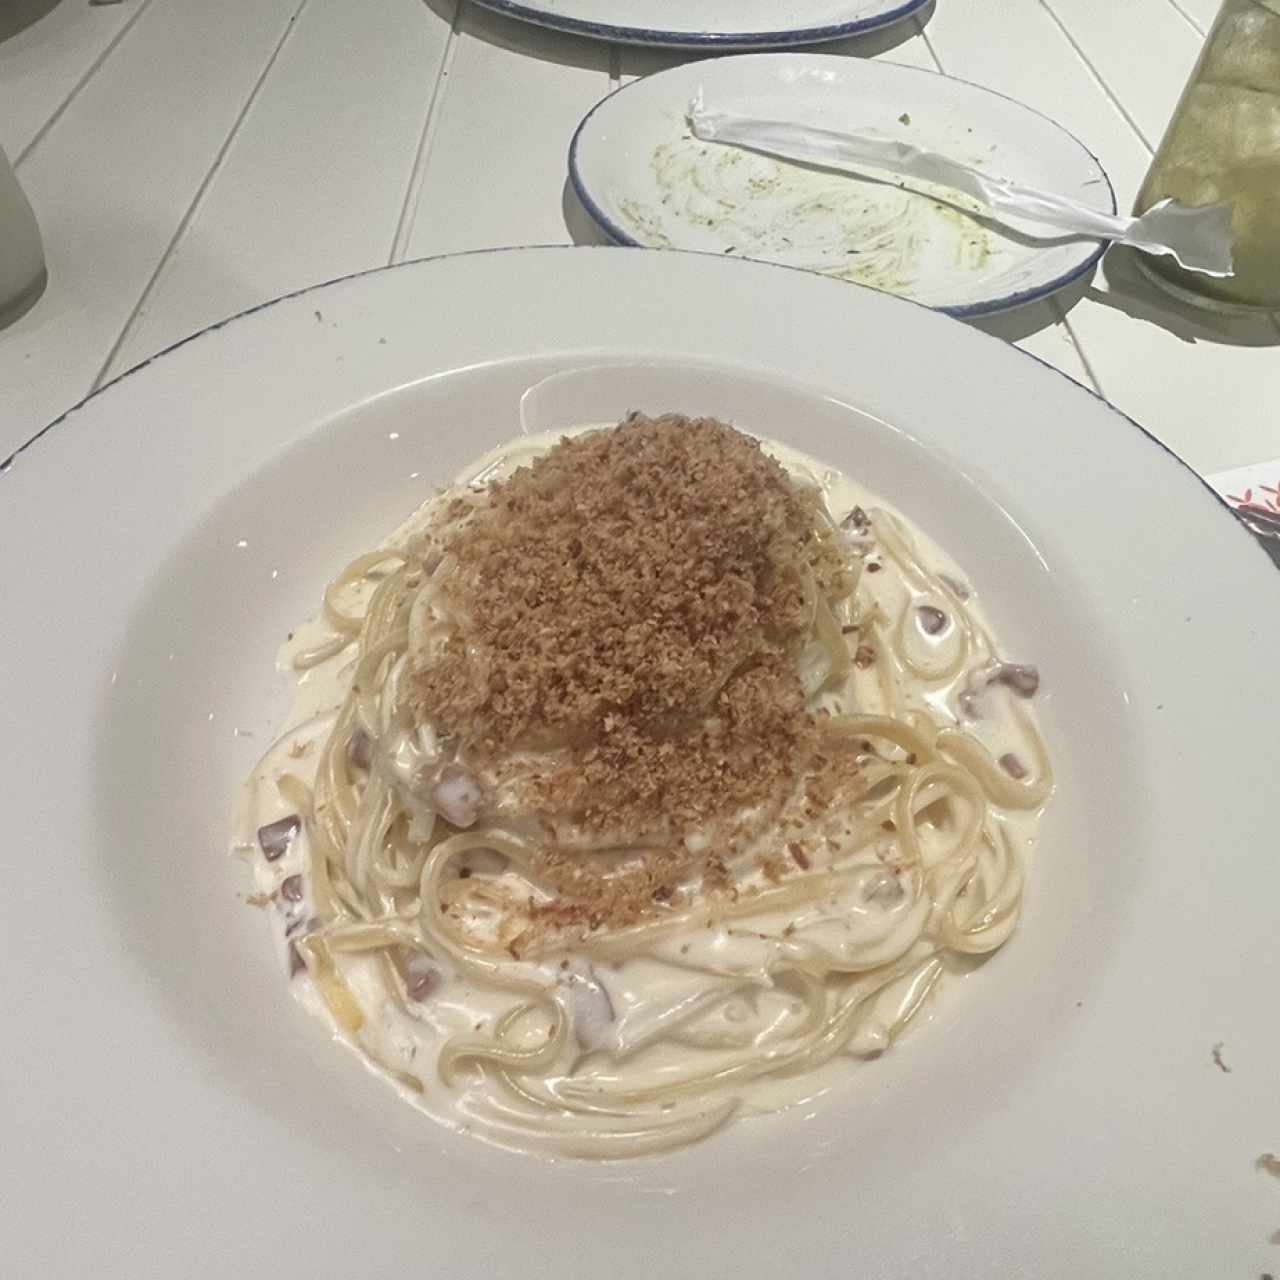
647	997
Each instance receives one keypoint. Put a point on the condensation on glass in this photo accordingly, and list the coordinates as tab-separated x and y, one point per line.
1223	146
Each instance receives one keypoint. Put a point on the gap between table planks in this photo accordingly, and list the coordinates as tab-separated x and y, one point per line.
471	154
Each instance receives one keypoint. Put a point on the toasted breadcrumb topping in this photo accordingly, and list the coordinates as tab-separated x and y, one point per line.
627	614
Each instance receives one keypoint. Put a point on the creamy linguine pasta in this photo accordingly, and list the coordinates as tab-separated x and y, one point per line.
641	779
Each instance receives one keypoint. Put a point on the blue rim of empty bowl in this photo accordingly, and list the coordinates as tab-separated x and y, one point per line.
962	311
702	39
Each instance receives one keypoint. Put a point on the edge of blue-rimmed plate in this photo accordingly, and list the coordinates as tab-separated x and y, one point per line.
962	311
705	40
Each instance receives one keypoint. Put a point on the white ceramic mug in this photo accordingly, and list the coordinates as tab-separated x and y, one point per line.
22	272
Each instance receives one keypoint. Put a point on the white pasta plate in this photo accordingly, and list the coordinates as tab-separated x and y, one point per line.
645	180
1093	1101
711	24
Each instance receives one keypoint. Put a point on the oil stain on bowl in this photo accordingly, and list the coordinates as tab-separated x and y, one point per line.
730	201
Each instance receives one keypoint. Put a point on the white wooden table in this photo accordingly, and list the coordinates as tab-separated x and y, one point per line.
190	158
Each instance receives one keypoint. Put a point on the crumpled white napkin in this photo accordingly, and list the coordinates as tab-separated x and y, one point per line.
1199	239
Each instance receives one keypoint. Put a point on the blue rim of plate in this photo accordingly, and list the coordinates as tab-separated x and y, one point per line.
70	412
965	311
702	39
